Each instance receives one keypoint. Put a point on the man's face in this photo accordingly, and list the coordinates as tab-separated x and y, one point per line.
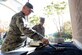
27	10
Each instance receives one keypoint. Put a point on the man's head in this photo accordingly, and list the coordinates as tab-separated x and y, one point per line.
42	20
27	9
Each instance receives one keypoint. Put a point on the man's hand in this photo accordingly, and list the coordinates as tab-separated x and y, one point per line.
45	41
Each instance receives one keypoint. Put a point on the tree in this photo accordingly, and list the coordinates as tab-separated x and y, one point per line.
34	20
67	31
56	9
67	27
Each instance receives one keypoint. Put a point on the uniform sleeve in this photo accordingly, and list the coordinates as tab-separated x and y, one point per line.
43	32
27	31
35	27
40	29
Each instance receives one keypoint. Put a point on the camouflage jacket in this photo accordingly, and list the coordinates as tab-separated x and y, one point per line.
17	28
40	29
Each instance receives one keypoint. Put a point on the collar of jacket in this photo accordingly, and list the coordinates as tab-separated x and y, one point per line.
22	14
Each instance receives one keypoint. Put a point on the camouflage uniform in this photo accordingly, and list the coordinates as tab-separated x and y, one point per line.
17	28
40	29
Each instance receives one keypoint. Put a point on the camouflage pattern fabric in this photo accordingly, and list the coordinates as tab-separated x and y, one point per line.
17	28
40	29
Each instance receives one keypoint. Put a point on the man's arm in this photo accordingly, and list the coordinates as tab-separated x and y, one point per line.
27	31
